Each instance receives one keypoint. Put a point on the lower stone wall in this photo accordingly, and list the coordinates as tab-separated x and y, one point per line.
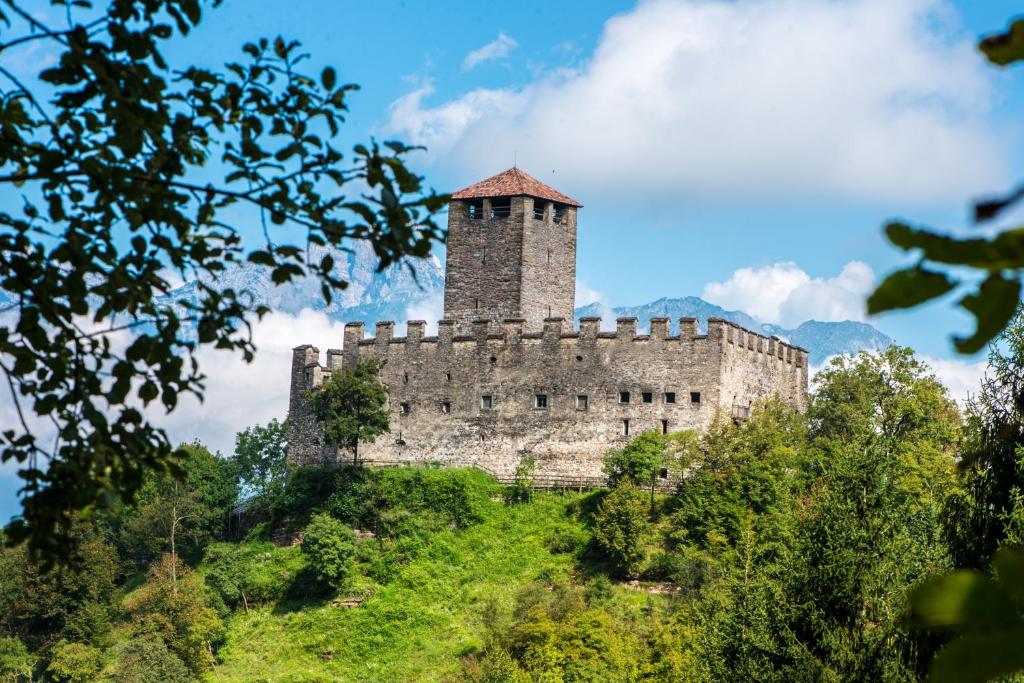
476	400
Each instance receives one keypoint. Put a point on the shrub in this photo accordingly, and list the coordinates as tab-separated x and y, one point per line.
16	663
621	525
147	660
329	546
522	488
460	496
74	662
248	574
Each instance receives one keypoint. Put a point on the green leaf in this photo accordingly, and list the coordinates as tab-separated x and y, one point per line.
1009	566
979	657
328	78
1005	48
907	288
992	306
962	598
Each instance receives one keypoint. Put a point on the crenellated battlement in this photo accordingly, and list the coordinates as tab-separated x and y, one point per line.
589	331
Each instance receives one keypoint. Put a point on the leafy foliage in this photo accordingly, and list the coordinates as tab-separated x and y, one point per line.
329	546
146	659
352	406
988	613
116	155
180	515
261	454
998	261
16	662
172	607
621	526
75	663
42	606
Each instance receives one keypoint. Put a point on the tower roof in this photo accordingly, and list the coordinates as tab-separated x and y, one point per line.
513	183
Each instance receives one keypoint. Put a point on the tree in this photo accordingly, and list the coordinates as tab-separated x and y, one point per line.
638	462
987	508
146	659
621	525
883	437
999	260
16	663
181	515
261	455
42	605
329	545
352	406
131	171
74	663
172	606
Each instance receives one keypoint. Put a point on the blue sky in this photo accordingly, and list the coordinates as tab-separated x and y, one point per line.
679	235
746	151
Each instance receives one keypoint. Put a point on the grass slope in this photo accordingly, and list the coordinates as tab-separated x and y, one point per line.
418	625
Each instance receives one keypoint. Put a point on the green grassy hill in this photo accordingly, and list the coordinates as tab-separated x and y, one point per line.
433	610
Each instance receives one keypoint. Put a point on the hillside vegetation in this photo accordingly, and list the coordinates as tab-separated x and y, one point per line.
788	552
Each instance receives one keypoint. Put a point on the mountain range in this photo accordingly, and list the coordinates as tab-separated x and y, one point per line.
414	290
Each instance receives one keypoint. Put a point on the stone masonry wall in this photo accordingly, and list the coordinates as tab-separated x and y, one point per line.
510	267
437	387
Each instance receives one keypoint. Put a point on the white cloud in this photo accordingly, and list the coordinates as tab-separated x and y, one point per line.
960	377
496	49
430	309
240	394
785	294
440	128
586	295
865	99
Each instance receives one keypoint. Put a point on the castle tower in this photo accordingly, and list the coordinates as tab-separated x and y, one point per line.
511	252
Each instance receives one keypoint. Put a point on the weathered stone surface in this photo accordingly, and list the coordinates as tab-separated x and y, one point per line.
561	395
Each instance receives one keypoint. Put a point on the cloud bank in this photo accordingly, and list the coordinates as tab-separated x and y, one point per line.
783	293
775	99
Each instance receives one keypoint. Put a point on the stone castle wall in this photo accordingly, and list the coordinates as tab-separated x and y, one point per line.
510	267
437	385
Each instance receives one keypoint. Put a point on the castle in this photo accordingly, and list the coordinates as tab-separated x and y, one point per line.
507	376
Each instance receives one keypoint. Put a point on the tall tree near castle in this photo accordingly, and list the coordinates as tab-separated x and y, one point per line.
111	152
997	261
352	406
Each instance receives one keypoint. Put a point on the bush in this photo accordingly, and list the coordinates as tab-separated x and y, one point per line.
147	660
74	662
16	663
249	574
621	525
460	496
329	546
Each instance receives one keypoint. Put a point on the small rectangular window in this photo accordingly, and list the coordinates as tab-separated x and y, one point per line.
539	208
448	376
581	402
405	408
670	397
664	426
664	473
476	209
446	407
501	207
486	402
557	213
695	397
541	401
623	397
647	397
625	427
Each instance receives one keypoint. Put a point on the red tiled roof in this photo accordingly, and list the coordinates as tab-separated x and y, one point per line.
513	183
